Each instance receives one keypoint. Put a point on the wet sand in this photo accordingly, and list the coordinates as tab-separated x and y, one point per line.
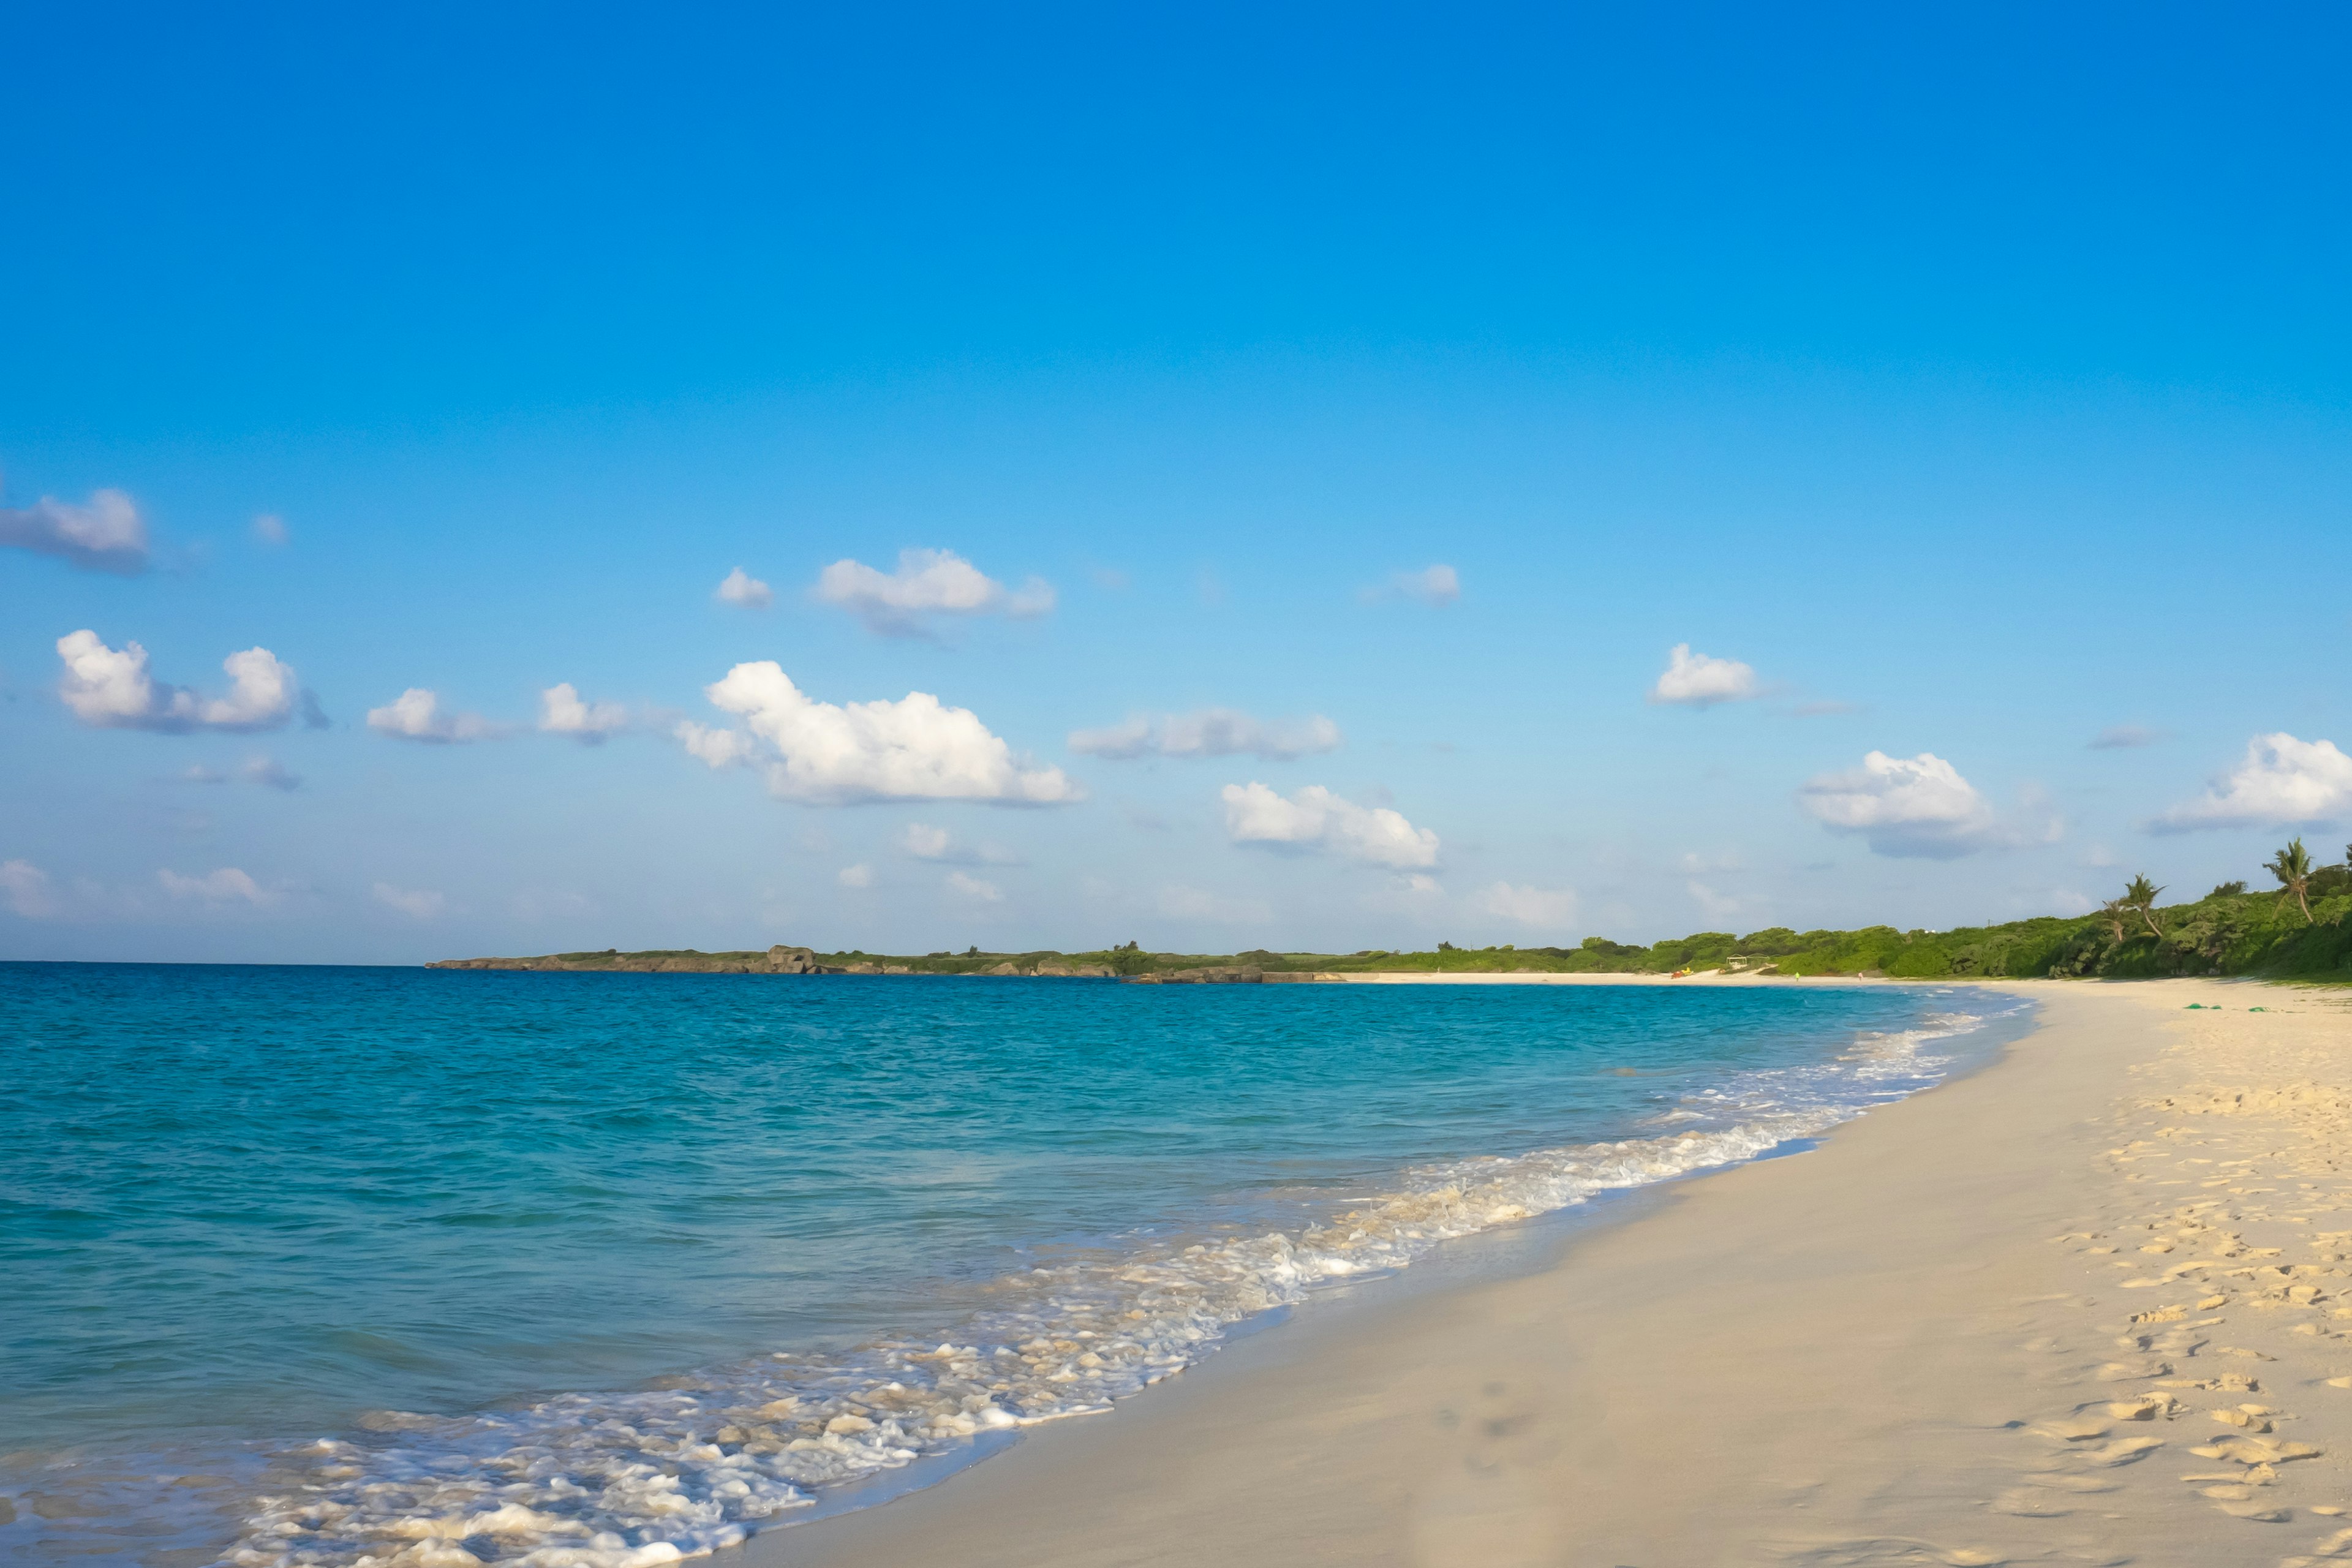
2077	1308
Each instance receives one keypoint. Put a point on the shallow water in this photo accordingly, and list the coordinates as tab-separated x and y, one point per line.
582	1271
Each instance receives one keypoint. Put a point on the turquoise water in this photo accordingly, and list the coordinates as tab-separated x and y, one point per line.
312	1264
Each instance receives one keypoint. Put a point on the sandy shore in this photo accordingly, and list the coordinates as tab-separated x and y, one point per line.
2078	1308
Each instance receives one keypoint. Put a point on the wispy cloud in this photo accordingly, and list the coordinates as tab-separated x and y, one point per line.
1209	732
977	890
27	890
1179	902
924	841
104	533
858	876
416	714
1548	908
268	528
416	903
226	886
927	585
2124	737
1437	587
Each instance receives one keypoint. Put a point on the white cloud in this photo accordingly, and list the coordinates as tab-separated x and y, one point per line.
928	583
1698	865
1180	902
2280	781
1209	732
858	876
104	533
973	888
925	842
1695	681
270	772
1716	906
917	748
561	712
1552	907
1905	806
416	903
2123	737
416	715
1315	817
270	528
1435	586
26	888
227	885
111	689
740	587
717	748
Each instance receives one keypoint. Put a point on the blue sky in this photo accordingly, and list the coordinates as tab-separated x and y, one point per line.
1957	387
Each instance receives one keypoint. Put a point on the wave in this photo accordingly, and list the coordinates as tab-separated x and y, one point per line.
632	1480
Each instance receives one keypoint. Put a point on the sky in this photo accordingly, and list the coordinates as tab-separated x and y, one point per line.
914	477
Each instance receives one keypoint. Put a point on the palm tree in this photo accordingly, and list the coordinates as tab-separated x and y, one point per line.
2291	867
2142	895
2113	909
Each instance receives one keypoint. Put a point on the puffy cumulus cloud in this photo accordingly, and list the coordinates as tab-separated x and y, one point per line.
1552	907
1696	681
111	689
226	885
1435	586
978	890
1905	806
25	888
928	583
1209	732
1315	818
416	903
2281	780
858	876
104	533
416	714
739	588
822	754
562	712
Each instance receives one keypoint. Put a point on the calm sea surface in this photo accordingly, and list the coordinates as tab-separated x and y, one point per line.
309	1264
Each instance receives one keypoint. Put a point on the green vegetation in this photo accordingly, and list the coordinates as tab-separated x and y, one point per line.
2300	929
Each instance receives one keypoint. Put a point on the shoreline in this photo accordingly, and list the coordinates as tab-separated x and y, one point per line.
1869	1353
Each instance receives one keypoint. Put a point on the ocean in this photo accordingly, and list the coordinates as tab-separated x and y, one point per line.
333	1264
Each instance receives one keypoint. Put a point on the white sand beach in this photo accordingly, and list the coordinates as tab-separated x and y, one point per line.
2080	1307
